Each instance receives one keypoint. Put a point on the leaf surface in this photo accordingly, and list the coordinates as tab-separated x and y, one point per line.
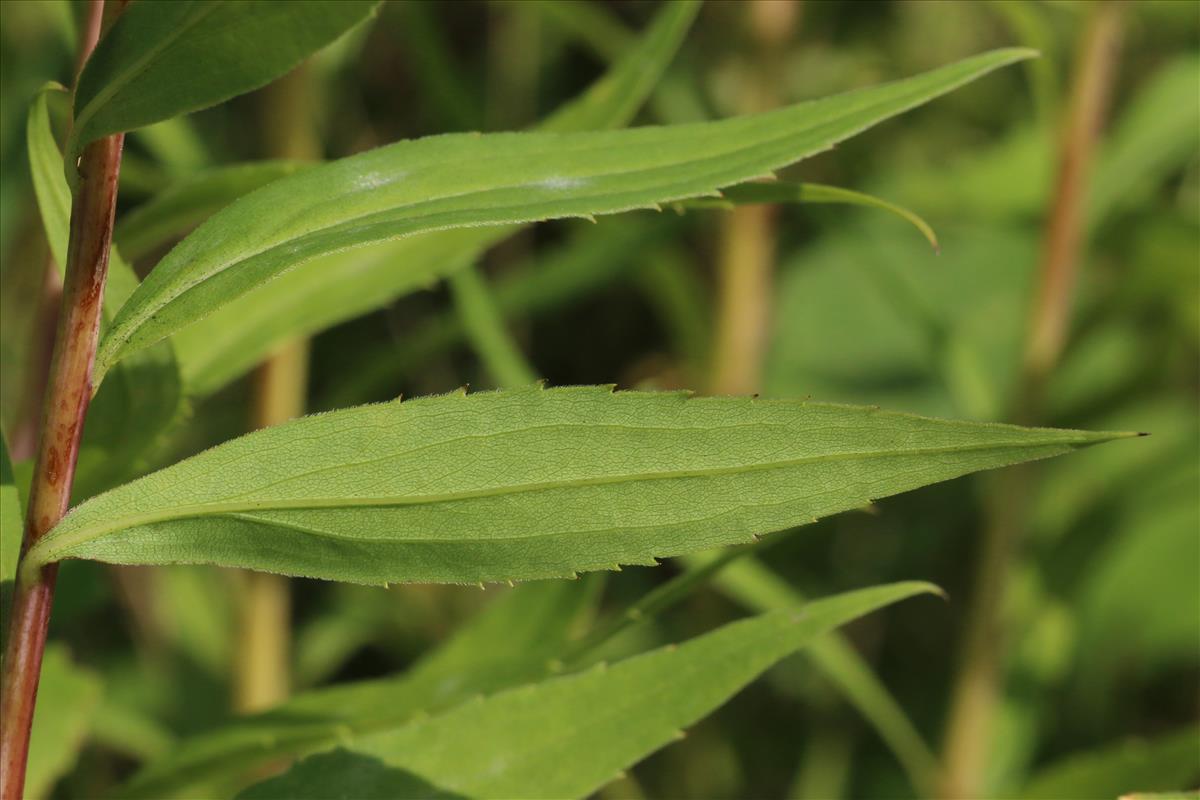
467	180
191	200
340	286
567	737
144	70
525	484
1165	763
755	586
508	643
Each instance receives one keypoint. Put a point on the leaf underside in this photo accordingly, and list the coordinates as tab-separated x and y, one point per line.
524	484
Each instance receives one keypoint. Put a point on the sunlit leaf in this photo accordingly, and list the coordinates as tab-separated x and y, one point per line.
334	288
190	201
525	484
465	180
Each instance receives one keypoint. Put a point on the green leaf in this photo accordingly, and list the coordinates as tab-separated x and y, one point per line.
593	257
334	288
465	180
508	643
783	192
1162	764
12	531
525	484
142	398
341	773
191	200
567	737
1154	138
144	70
756	587
67	697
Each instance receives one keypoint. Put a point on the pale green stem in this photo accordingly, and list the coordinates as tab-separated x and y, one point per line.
486	332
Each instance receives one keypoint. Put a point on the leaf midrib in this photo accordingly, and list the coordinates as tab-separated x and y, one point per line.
53	545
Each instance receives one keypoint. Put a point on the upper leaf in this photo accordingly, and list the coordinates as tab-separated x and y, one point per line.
525	484
462	180
163	59
341	286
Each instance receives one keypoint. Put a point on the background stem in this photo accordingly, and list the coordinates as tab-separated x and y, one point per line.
977	690
262	672
746	265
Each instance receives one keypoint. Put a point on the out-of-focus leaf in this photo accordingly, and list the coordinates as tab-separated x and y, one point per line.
1154	137
755	586
12	516
128	731
190	201
510	642
144	70
194	611
337	287
1156	545
786	192
462	180
175	144
1166	763
67	697
484	326
567	737
594	256
533	483
871	316
142	398
342	773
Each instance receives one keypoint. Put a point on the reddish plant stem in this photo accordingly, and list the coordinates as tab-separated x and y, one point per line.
68	394
24	441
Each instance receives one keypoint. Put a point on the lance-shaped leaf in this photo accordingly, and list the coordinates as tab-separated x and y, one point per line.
567	737
145	69
783	192
525	484
512	641
340	286
465	180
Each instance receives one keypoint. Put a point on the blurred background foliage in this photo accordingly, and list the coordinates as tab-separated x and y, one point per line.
1102	667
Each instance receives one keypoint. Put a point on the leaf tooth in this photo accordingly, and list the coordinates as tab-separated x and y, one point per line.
679	734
